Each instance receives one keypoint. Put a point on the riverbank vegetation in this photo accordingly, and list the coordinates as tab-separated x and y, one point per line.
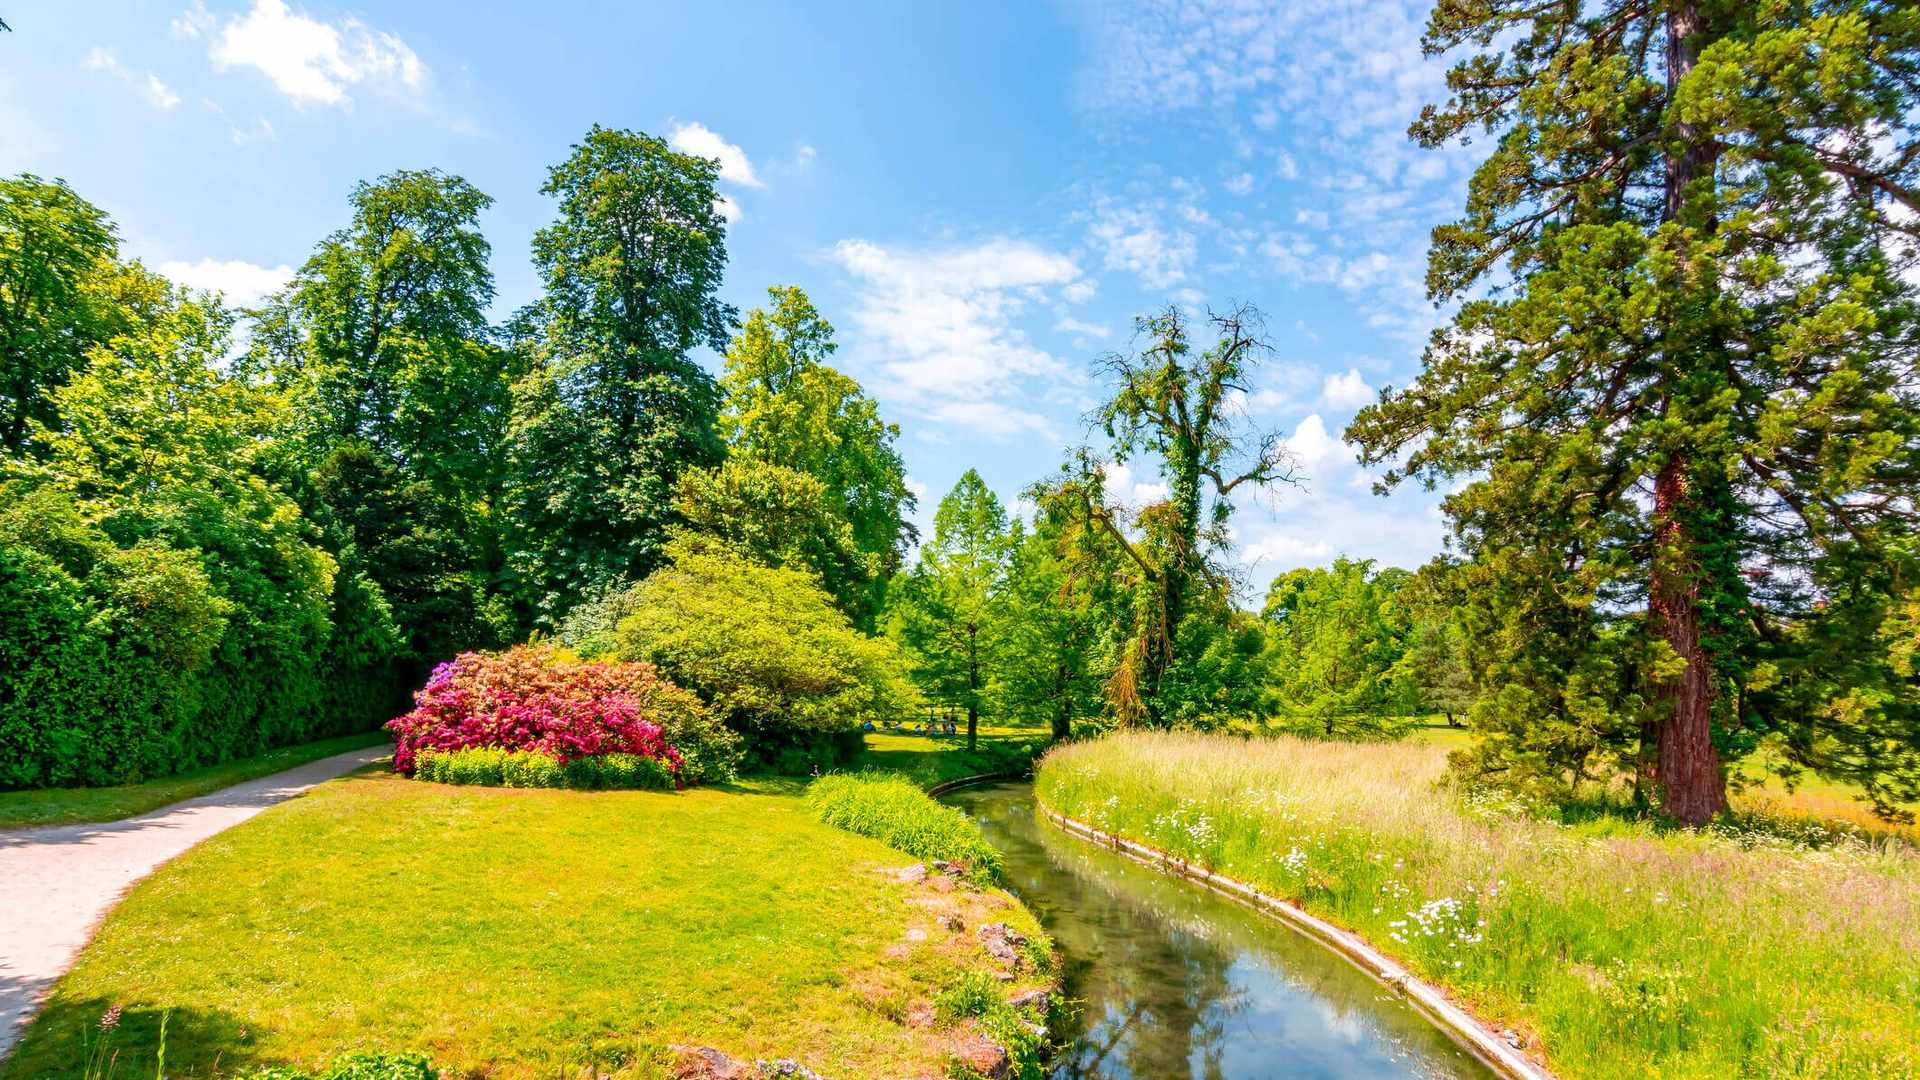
1612	949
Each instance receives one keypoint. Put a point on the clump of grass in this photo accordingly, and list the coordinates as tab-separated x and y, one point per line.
977	996
1617	949
494	767
898	813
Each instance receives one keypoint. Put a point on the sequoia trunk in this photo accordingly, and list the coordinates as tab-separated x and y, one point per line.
1687	768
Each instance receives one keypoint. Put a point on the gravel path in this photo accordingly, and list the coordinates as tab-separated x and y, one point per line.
56	882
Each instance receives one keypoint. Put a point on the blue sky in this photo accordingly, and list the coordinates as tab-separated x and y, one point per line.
980	197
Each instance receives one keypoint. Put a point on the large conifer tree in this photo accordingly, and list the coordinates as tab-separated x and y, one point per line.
1683	376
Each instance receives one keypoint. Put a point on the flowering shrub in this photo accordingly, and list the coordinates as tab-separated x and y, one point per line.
544	700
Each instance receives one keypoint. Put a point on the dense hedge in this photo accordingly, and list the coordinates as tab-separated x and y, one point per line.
899	814
173	632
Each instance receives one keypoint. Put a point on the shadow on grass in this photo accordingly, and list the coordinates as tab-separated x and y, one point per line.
69	1035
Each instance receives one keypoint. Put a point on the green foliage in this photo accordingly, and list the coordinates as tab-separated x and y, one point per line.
764	647
898	813
1171	407
394	439
979	996
59	297
1689	414
943	612
357	1067
1339	635
775	516
1056	626
493	767
615	409
785	406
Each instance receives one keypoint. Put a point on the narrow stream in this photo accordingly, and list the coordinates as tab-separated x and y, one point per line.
1176	981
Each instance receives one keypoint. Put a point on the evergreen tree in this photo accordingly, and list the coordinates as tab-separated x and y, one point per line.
1690	407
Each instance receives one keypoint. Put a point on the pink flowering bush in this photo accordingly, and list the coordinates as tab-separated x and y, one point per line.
543	699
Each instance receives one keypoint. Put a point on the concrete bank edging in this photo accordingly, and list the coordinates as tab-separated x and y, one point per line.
1429	999
945	786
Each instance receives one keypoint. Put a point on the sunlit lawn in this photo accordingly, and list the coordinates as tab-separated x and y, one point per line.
66	806
513	933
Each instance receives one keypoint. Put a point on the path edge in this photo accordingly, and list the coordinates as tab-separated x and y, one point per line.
1461	1026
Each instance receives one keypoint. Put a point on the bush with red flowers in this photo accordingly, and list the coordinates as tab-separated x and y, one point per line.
543	699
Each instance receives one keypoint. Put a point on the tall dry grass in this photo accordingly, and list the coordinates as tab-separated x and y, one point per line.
1613	951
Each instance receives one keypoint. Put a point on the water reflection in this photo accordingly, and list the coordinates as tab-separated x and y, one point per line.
1179	982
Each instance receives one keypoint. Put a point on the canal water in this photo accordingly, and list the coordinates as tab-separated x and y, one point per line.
1175	981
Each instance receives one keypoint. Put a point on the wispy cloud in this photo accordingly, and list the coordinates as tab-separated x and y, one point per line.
940	333
150	86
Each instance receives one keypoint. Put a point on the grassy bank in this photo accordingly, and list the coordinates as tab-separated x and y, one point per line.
73	806
1613	951
525	933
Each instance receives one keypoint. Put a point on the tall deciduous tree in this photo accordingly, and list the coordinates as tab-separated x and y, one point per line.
617	407
1693	413
1177	410
944	612
786	406
61	294
401	403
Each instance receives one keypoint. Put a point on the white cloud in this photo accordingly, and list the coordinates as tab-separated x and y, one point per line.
244	284
194	22
938	330
1134	240
727	208
701	141
803	157
1127	489
1347	390
314	62
1316	219
1288	550
1311	445
157	93
1239	185
261	130
1071	325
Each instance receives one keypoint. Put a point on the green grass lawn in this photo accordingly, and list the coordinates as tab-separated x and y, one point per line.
931	759
72	806
521	933
1615	948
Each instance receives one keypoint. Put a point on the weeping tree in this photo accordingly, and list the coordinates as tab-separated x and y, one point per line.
1177	409
1682	376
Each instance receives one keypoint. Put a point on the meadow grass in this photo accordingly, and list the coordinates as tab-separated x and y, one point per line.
1612	951
73	806
521	933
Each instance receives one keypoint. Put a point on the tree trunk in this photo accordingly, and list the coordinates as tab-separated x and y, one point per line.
1687	769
